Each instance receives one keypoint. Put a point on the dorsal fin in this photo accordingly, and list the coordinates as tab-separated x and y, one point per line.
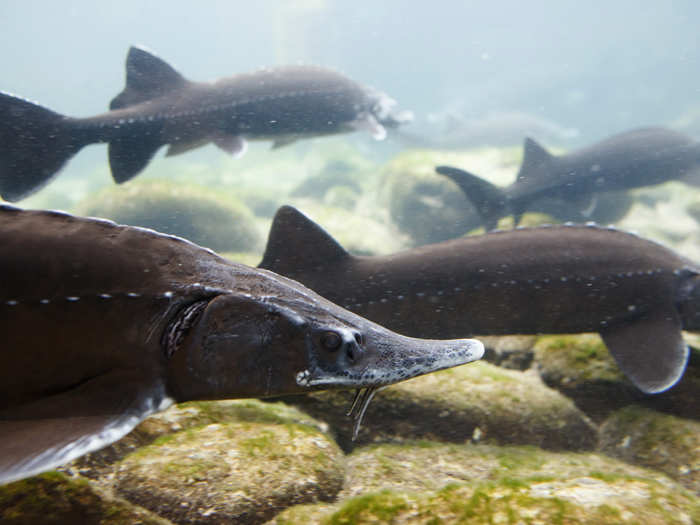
535	158
147	77
297	243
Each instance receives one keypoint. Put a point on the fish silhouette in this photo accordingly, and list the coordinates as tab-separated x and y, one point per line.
637	294
161	107
641	157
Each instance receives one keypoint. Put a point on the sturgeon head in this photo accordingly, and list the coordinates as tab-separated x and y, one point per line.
289	340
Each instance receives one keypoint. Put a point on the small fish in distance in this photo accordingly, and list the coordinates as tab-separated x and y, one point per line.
640	157
161	107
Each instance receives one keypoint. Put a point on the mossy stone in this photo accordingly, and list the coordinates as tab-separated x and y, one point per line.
581	367
236	472
423	482
334	173
211	219
54	498
426	206
651	439
478	402
101	464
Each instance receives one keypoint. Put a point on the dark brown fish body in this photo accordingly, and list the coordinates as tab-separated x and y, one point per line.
160	107
559	279
104	324
640	157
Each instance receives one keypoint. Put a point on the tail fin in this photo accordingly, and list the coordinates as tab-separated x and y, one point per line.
490	201
35	143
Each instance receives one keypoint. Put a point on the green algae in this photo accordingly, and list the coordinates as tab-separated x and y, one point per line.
54	498
210	218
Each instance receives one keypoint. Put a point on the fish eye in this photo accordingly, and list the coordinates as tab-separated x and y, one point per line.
331	341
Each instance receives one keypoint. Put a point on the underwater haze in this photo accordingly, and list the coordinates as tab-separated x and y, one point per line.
378	145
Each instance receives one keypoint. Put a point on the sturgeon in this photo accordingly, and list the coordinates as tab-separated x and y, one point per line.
637	294
640	157
103	325
159	106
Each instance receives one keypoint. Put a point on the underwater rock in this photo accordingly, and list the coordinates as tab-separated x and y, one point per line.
509	351
242	472
481	403
190	211
54	498
101	464
422	481
427	207
659	441
581	367
334	173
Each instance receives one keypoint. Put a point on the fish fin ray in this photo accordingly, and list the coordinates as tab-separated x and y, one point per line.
49	432
649	350
490	201
129	155
147	77
296	242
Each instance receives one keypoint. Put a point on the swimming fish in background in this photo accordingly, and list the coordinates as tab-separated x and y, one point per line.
641	157
161	107
103	325
637	294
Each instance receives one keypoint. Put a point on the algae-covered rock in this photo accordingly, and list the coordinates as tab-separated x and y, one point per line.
660	441
478	402
241	472
334	173
184	416
426	206
212	219
509	351
426	482
581	367
53	498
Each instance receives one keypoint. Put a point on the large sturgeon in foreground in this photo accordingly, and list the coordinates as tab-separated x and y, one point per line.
161	107
636	293
102	325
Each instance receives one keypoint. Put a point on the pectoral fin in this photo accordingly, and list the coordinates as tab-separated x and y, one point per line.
649	350
46	433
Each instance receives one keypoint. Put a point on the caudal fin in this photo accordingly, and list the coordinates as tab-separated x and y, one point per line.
35	143
489	200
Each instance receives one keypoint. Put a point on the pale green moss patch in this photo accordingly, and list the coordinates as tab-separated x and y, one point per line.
478	402
215	219
663	442
244	470
53	498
